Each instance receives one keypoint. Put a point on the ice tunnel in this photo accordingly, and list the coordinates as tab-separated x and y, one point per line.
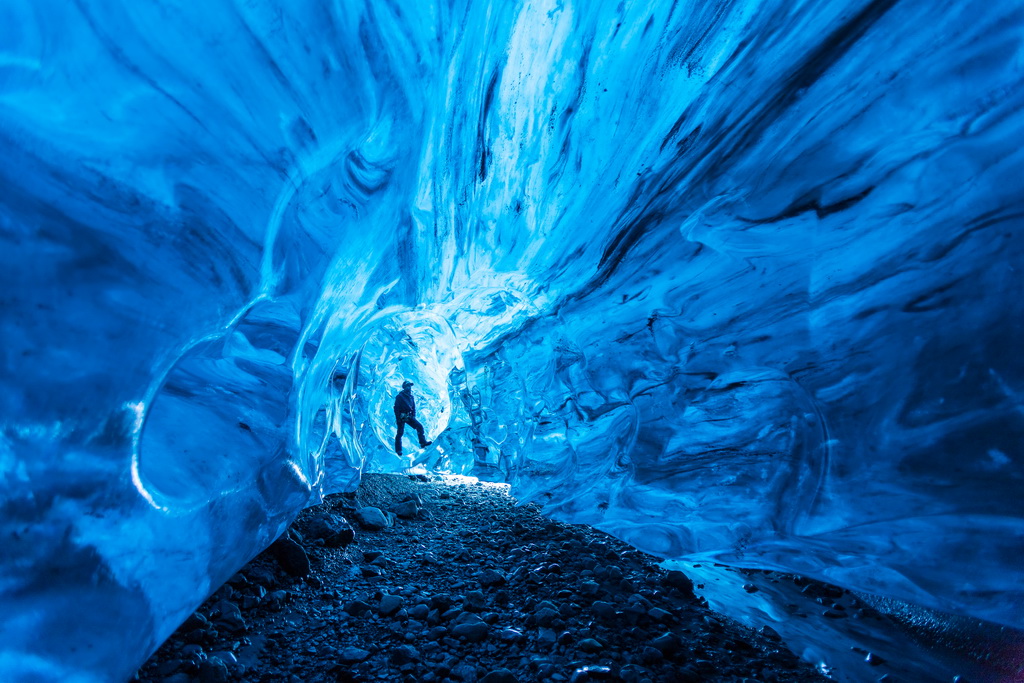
737	280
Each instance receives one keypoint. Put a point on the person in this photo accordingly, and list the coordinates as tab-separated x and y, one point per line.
405	414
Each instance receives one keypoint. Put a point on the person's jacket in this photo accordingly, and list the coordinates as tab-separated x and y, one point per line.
405	404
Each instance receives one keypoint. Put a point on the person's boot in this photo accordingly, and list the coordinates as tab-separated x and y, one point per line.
424	445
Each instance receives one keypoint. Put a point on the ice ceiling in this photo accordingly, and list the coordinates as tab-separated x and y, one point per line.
728	279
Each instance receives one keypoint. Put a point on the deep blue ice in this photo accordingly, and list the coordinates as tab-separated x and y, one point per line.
731	280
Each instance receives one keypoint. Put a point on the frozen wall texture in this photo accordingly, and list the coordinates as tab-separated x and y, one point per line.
729	279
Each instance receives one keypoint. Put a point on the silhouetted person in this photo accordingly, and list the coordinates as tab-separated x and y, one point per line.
405	414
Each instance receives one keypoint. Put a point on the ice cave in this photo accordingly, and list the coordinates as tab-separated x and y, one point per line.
731	280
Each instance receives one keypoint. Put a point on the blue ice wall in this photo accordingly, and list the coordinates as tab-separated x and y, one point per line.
736	279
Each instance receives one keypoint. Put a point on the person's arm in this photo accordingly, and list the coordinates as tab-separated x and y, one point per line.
412	405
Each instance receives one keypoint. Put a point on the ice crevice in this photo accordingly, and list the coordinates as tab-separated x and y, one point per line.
736	281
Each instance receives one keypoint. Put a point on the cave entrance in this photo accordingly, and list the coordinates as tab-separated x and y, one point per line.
419	347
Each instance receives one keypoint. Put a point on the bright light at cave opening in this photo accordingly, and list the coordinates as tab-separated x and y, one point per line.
418	346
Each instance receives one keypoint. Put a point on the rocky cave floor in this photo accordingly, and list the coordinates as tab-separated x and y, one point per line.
462	586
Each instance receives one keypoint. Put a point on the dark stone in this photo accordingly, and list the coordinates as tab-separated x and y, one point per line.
406	510
666	643
491	577
229	617
333	530
389	604
678	580
372	518
441	601
356	607
605	610
499	676
213	671
475	600
591	673
404	654
545	616
510	635
291	557
195	621
352	655
473	632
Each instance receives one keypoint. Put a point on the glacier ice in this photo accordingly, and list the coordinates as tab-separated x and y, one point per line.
735	280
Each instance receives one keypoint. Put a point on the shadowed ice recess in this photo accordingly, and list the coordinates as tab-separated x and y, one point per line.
730	280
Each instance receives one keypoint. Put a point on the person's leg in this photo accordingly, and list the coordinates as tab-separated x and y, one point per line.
415	424
398	437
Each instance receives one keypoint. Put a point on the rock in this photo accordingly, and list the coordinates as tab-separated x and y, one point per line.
510	635
352	655
275	599
658	614
404	654
464	672
372	518
679	580
631	673
547	636
333	530
262	576
419	612
213	671
467	618
229	617
590	645
650	655
475	600
291	557
545	616
769	633
589	588
605	610
750	588
406	510
473	632
196	620
193	652
389	604
499	676
491	577
666	643
591	673
441	601
355	607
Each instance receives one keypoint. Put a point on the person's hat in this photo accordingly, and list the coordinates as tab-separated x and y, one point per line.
406	384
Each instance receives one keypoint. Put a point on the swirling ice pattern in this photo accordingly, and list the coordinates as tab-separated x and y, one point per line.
728	279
